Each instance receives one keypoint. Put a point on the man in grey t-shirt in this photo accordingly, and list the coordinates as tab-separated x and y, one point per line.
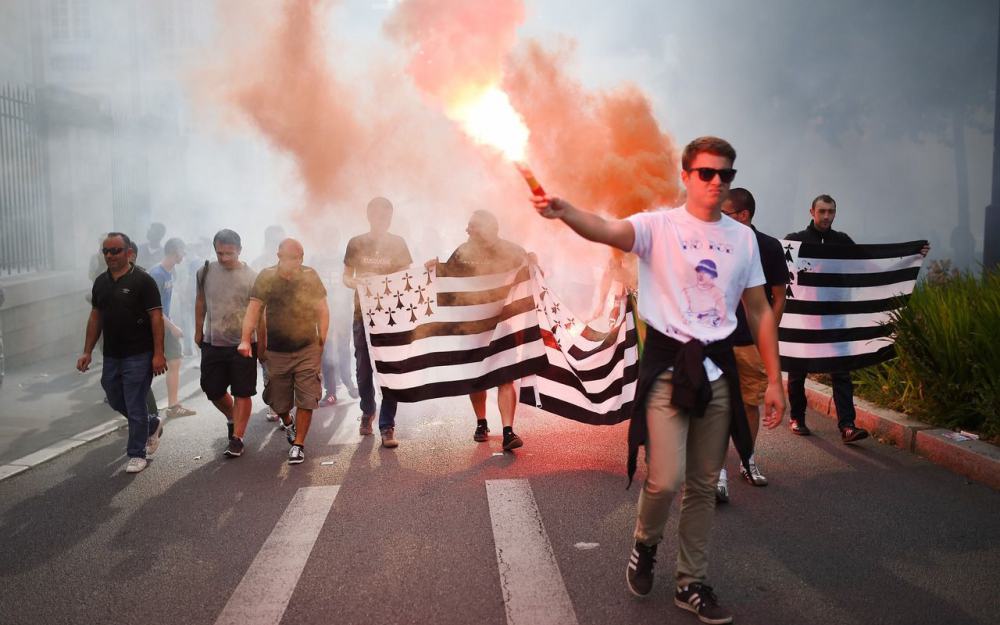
223	294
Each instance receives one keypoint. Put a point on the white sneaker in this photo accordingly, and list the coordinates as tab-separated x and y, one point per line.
135	465
153	442
754	477
722	488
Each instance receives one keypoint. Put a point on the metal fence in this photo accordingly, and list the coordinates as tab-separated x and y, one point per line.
25	213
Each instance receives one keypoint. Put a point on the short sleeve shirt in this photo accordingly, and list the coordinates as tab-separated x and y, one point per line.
474	258
165	284
124	306
227	293
692	274
772	258
290	306
370	255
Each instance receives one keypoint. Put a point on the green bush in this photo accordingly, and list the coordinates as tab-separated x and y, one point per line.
947	365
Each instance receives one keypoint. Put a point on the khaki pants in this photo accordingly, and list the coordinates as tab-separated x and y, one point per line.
688	451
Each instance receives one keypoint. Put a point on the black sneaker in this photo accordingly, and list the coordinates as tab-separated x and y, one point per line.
296	455
289	429
851	434
511	442
639	573
482	434
798	427
229	428
235	449
700	599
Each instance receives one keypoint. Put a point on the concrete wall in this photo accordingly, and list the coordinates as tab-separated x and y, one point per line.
44	316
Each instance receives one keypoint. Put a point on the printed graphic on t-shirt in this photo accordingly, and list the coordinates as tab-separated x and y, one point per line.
706	303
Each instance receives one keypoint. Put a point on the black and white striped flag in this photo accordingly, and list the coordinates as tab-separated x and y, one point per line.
591	375
433	336
838	303
436	336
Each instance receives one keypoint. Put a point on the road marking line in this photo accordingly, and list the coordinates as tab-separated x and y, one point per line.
267	439
533	588
263	594
10	470
47	453
98	431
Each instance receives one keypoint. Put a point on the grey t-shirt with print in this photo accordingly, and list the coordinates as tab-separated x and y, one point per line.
227	292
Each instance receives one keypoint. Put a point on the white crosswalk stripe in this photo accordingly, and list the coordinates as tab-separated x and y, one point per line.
533	588
280	561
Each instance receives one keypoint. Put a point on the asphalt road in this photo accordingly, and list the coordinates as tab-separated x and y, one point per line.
860	534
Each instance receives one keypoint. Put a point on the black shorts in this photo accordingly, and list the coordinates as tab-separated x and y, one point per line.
223	367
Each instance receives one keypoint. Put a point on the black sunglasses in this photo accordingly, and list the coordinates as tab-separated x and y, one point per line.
708	173
112	251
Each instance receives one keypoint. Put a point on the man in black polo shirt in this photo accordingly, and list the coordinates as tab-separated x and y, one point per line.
126	308
741	206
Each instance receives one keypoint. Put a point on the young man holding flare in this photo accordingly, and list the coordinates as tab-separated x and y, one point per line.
688	399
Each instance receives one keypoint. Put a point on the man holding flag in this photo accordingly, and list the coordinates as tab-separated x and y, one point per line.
688	399
486	253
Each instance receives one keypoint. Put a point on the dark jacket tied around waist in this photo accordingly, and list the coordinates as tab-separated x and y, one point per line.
692	391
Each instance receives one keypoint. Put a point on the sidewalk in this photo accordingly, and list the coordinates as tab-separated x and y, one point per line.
50	407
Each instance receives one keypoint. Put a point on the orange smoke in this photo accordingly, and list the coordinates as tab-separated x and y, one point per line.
602	150
457	48
292	96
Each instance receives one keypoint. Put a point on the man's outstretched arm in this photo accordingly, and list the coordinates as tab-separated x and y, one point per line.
617	233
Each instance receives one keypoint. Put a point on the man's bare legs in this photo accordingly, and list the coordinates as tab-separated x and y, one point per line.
507	404
240	412
173	381
303	419
225	406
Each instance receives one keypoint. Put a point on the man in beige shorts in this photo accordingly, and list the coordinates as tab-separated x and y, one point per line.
740	205
293	300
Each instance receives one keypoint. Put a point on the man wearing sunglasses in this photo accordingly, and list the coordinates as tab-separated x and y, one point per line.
127	310
688	398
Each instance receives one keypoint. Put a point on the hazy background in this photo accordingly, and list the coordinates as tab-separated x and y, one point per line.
143	110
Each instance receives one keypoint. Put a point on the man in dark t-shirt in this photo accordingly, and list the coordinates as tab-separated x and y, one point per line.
486	253
126	308
293	300
375	253
741	206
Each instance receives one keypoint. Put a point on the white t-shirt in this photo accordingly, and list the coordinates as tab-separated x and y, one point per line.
692	274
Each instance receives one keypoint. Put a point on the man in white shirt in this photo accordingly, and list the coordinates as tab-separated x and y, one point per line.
688	399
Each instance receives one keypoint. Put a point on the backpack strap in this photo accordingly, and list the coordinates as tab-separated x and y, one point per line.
204	274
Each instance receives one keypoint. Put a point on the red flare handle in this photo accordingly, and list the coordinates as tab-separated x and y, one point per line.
529	177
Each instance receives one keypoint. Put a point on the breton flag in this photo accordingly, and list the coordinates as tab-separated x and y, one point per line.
591	375
838	303
436	336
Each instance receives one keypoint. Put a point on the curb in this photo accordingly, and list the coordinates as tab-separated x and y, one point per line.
15	467
973	459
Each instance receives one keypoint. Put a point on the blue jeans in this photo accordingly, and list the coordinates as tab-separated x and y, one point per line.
126	382
366	386
843	397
